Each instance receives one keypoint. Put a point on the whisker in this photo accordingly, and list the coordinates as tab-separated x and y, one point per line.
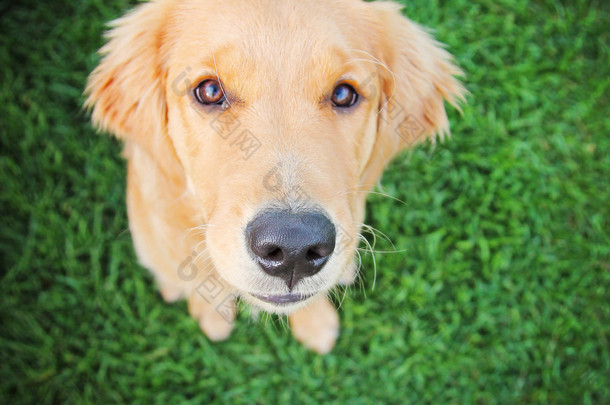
198	230
177	199
370	249
389	196
381	193
372	229
359	275
345	289
383	251
283	321
199	255
194	232
123	232
369	228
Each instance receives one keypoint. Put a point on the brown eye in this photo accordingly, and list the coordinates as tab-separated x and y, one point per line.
344	96
209	92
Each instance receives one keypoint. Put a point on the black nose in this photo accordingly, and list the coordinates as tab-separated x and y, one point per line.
291	245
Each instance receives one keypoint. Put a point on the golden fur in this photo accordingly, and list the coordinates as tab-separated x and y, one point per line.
193	183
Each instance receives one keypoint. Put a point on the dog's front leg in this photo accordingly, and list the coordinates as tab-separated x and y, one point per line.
212	304
316	326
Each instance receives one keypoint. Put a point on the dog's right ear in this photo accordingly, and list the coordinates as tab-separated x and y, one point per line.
126	90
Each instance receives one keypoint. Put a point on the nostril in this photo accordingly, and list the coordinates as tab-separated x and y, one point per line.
312	255
268	251
276	255
318	252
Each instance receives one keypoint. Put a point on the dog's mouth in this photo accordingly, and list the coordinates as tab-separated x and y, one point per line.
282	299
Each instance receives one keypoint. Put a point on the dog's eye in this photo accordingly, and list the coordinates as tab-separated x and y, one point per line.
344	96
209	92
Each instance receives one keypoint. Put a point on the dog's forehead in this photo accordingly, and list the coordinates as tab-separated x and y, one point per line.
247	17
292	41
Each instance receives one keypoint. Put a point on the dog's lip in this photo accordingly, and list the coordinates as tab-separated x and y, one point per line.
279	299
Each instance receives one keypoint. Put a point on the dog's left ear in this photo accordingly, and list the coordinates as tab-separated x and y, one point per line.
417	76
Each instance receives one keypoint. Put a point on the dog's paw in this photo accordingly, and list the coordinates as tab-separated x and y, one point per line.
215	318
215	326
171	293
316	326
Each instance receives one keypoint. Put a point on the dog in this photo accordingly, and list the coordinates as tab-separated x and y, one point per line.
253	132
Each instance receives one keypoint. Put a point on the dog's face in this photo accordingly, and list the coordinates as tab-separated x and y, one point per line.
275	154
281	116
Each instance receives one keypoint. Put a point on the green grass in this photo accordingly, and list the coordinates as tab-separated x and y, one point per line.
502	295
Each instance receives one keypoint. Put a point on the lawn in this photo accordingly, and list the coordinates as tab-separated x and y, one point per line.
500	294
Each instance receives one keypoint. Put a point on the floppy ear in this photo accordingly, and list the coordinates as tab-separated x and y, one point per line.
417	76
126	91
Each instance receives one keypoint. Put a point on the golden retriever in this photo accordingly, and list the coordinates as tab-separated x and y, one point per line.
253	132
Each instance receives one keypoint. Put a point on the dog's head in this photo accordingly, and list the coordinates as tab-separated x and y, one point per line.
281	116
